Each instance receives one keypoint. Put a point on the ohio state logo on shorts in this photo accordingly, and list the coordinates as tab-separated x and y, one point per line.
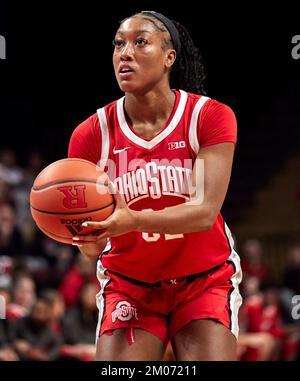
124	312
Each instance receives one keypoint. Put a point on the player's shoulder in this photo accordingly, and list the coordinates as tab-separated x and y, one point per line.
92	122
211	105
217	107
88	123
85	130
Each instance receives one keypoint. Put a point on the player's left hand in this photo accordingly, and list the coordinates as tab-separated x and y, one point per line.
122	220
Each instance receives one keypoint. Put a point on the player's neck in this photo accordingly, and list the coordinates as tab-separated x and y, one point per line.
150	107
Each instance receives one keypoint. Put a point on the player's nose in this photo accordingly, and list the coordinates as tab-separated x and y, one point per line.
127	51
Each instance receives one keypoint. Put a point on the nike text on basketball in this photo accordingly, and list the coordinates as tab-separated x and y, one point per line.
2	48
74	196
124	312
296	49
176	145
296	307
2	307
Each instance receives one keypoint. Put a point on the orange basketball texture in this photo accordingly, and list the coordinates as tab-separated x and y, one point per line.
67	193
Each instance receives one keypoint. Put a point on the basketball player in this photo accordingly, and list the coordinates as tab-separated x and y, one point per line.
169	271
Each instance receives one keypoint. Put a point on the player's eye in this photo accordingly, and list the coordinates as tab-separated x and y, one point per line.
141	41
117	43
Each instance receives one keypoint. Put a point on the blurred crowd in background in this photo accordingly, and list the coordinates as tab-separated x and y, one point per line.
49	288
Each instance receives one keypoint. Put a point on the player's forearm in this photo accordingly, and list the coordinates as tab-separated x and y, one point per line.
182	218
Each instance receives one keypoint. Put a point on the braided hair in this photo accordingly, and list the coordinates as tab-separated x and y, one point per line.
188	72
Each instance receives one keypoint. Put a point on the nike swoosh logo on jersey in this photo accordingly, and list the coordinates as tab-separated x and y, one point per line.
120	150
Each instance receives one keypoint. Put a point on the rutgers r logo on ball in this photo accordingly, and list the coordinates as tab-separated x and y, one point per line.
124	312
74	196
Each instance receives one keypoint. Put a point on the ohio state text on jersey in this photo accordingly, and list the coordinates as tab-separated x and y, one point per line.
155	174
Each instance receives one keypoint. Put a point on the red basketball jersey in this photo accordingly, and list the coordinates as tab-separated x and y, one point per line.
152	175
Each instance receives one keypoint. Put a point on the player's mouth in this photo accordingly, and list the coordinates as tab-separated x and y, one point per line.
125	71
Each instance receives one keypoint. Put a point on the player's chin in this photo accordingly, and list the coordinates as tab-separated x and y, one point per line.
128	86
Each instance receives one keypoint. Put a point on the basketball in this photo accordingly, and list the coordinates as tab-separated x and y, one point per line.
67	193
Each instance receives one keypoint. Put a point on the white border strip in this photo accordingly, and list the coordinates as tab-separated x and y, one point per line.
100	301
161	136
194	124
235	299
104	137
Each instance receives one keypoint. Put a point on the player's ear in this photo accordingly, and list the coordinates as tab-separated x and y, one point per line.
170	57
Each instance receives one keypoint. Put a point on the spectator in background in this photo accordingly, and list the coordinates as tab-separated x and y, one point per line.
5	295
57	305
23	297
290	288
251	286
291	276
9	170
264	336
22	194
252	260
260	324
34	339
82	272
11	240
59	256
35	164
7	352
80	325
6	269
5	192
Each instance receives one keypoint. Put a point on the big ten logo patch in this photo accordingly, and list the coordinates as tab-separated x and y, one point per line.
176	145
124	312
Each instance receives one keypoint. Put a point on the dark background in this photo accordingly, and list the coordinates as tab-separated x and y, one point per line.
58	71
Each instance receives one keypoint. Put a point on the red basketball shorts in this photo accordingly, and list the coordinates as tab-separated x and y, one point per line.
165	307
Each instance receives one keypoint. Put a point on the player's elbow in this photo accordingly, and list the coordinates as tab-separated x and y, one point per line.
205	226
207	222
